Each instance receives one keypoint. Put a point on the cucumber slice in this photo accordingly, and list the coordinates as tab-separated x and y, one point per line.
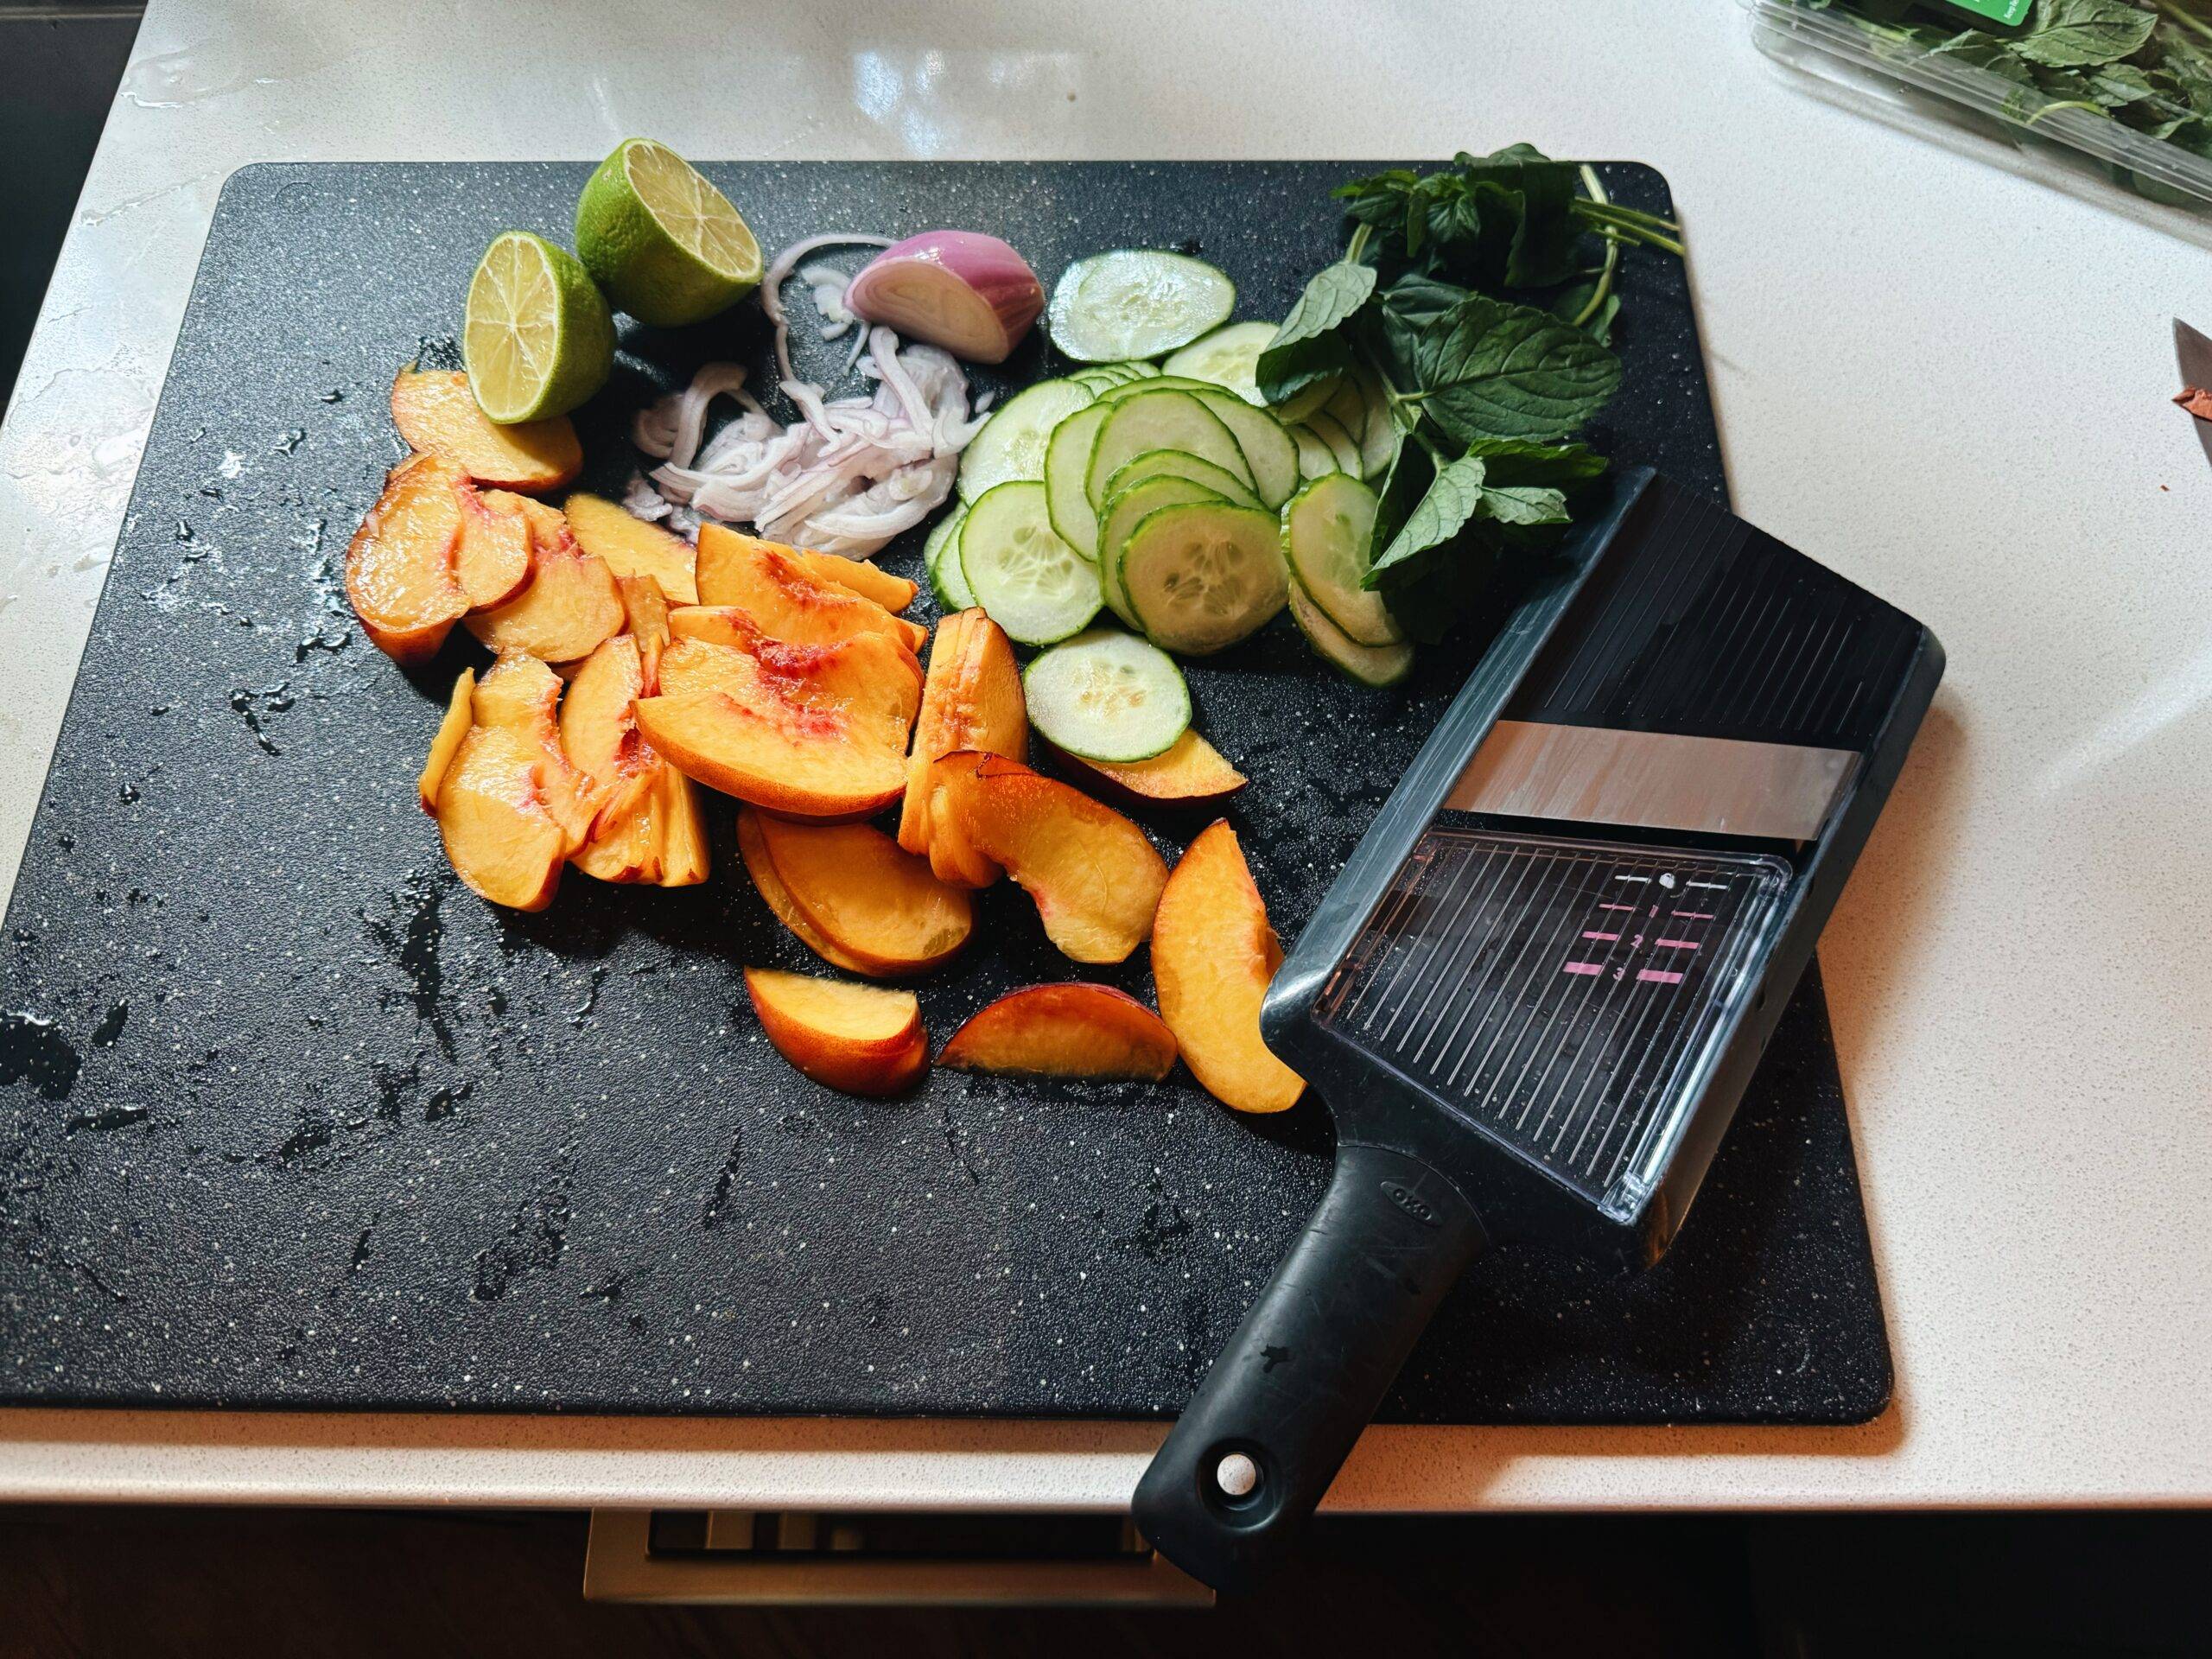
1154	383
1299	404
1177	463
1161	419
1137	369
1067	459
1379	442
1125	510
1347	407
1228	357
941	553
1341	443
1269	452
1368	665
1107	695
1096	379
1203	576
1028	579
1136	303
1324	534
1315	458
1012	443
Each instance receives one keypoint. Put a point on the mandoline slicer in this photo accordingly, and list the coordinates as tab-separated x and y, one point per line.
1535	995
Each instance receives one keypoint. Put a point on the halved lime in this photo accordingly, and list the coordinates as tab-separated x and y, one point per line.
539	339
664	243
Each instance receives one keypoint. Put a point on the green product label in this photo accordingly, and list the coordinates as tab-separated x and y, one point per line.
2007	12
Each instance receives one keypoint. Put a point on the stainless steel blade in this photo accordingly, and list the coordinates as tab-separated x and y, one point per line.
2193	351
1654	780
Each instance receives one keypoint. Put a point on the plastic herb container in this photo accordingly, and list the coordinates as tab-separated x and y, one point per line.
2109	99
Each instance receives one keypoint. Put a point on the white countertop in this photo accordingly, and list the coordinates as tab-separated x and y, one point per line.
1939	379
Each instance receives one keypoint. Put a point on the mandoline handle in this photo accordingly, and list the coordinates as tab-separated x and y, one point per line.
1274	1419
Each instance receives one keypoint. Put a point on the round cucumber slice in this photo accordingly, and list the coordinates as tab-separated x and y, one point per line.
1107	695
941	555
1125	510
1136	303
1379	442
1028	579
1067	462
1322	425
1170	419
1299	404
1228	357
1325	529
1269	453
1368	665
1012	443
1201	577
1180	463
1347	407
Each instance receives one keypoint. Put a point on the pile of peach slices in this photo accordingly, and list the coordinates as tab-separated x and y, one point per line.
790	680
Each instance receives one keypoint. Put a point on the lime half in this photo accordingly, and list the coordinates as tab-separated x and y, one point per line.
664	243
539	339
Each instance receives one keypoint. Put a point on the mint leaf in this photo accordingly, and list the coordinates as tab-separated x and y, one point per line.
1454	497
1307	346
1495	369
2084	33
1512	461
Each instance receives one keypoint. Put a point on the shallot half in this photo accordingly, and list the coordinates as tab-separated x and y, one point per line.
960	290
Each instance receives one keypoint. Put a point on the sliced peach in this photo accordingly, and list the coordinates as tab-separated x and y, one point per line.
1094	876
633	547
645	609
818	731
571	606
459	715
496	558
647	826
954	856
880	907
854	576
861	1039
1064	1031
1213	957
400	566
733	626
977	704
510	807
1190	773
784	599
436	413
753	849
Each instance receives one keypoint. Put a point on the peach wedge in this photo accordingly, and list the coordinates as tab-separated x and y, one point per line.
1064	1031
1095	878
971	700
630	546
571	605
879	905
510	808
436	414
1213	957
785	599
1190	773
861	1039
753	850
400	568
647	827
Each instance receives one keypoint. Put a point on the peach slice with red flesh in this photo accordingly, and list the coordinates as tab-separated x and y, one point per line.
1213	957
647	827
1190	773
496	558
864	1040
632	546
854	576
571	605
879	905
784	599
733	626
400	567
1064	1031
753	850
510	807
1095	878
438	414
814	732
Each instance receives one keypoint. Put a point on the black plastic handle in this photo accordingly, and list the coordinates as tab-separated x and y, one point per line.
1274	1419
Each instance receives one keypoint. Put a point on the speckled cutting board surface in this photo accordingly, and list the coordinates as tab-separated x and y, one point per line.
288	1117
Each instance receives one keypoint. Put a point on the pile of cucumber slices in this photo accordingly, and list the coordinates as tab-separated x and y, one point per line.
1170	494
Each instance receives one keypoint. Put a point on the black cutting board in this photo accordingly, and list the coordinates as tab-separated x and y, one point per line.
292	1119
